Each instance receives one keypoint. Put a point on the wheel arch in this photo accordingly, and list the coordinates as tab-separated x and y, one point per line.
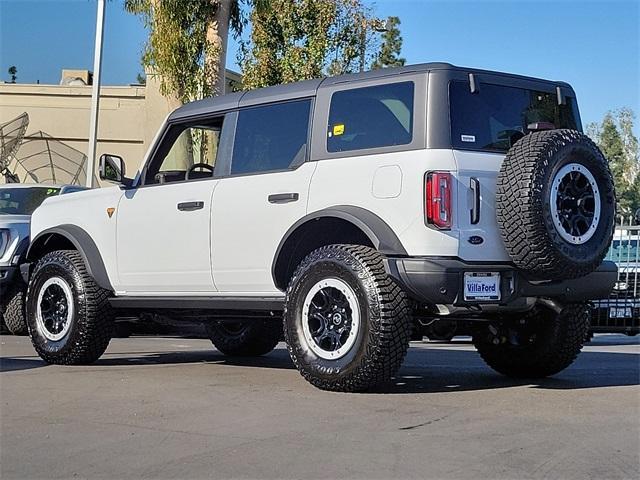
339	224
71	237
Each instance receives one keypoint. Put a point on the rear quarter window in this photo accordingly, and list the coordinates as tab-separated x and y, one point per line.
497	116
371	117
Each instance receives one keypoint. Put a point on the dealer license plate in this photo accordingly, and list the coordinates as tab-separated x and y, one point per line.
619	312
481	286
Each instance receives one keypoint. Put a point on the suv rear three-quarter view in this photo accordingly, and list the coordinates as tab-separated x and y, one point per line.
351	212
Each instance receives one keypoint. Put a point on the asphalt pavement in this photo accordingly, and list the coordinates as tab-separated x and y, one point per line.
159	407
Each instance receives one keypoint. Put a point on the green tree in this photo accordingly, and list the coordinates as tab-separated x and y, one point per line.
302	39
614	135
187	44
391	47
13	71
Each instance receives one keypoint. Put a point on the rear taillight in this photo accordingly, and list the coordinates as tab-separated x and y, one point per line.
438	199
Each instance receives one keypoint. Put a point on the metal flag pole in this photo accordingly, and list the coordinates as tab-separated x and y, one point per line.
95	94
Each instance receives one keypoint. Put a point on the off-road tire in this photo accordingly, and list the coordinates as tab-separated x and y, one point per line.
559	339
524	212
248	339
92	323
13	314
385	328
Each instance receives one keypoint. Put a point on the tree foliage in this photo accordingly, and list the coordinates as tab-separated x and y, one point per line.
614	135
391	47
302	39
13	72
182	48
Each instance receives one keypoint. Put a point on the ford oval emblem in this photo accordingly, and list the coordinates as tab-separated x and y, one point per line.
475	239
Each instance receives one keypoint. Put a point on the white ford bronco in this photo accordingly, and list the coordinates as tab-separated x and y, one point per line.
350	212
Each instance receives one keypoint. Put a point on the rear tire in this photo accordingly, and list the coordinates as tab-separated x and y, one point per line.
69	316
347	323
540	344
14	311
248	339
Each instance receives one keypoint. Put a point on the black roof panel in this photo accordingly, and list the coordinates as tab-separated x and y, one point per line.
309	88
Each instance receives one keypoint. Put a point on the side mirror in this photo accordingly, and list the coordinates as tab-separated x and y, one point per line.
111	168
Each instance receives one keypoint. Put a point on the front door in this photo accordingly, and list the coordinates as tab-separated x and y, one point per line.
163	225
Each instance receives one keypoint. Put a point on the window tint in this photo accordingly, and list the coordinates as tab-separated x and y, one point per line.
271	137
497	116
371	117
23	201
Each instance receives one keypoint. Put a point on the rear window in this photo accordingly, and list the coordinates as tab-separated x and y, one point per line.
497	116
271	137
24	200
371	117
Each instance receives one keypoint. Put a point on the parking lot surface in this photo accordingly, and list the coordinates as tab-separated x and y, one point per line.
158	407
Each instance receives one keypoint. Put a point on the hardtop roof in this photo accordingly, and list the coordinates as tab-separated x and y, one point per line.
309	88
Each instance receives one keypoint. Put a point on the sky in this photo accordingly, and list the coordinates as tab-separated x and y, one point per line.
593	45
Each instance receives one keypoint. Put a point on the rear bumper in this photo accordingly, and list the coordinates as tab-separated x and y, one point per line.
439	281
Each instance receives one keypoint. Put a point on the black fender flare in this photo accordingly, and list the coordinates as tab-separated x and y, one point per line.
381	235
83	243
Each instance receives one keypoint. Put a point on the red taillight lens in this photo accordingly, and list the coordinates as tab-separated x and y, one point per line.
438	199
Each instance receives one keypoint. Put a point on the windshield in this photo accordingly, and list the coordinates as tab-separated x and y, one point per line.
497	116
23	201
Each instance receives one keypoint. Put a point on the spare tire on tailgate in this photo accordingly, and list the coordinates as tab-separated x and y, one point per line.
555	204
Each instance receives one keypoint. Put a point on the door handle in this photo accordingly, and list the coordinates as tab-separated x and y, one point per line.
190	206
283	197
474	183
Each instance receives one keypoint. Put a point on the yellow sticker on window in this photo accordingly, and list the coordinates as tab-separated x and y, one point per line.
338	129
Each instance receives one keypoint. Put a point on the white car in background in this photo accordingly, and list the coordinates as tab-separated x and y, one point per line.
17	202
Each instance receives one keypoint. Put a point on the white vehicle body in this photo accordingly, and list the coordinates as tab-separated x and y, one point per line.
228	245
357	209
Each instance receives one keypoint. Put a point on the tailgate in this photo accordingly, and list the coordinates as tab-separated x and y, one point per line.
478	171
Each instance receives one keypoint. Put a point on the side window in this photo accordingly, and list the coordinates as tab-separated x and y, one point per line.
371	117
270	137
187	150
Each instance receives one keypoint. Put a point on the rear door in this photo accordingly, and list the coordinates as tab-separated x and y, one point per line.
263	193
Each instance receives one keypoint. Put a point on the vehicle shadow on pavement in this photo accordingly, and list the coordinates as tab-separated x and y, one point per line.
440	370
12	364
428	370
425	370
278	358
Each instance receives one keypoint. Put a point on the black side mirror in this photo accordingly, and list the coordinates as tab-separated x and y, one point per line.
112	168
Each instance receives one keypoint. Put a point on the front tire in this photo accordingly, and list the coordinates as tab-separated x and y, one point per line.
68	315
347	323
244	339
540	344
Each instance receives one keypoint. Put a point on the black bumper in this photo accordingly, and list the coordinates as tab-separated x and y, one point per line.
440	281
9	276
